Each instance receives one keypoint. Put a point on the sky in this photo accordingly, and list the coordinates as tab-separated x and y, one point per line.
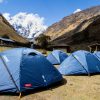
51	10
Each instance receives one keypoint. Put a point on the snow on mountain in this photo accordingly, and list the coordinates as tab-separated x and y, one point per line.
28	25
76	11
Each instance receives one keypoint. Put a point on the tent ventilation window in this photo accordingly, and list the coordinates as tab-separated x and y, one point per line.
32	54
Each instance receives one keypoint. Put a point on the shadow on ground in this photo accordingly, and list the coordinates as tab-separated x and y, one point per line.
50	87
92	74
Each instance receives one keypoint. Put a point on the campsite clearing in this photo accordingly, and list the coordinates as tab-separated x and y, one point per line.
75	88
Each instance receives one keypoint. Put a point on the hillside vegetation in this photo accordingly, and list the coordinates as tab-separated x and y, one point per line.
6	30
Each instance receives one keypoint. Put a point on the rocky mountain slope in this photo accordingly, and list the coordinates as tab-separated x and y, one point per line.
6	30
82	27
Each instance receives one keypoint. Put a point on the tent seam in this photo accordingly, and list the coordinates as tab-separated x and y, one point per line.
55	57
80	64
9	73
20	66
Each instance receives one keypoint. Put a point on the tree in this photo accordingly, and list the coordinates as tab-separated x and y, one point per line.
42	40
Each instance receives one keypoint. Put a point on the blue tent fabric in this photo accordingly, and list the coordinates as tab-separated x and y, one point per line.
57	57
97	54
22	69
80	62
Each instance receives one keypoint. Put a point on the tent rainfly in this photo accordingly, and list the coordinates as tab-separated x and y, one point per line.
23	69
57	57
80	62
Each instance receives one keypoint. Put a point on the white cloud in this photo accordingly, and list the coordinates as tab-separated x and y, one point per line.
77	10
1	1
27	24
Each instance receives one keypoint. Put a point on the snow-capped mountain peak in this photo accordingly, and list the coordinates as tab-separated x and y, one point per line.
28	25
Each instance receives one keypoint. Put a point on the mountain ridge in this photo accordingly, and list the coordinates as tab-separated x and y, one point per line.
78	30
71	22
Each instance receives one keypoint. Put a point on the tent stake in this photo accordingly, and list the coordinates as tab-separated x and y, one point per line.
89	74
20	94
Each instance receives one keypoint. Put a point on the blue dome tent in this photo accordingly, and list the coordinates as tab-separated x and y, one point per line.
80	62
57	57
22	69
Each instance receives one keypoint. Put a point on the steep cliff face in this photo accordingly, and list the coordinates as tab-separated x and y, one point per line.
78	30
6	30
71	22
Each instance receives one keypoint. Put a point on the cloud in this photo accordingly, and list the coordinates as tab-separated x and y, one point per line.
27	24
1	1
77	10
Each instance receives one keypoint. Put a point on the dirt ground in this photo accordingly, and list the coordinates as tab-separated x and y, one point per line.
71	88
